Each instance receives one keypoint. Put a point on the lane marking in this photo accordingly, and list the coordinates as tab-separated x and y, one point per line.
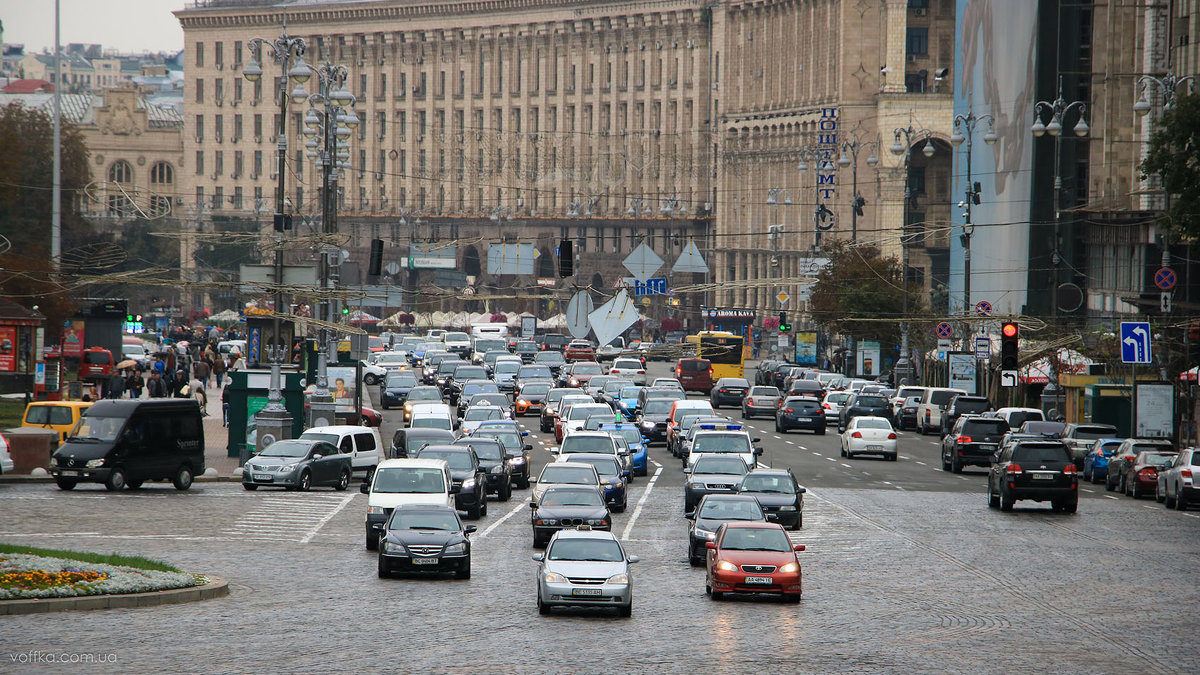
789	442
523	506
1089	490
831	459
847	465
1109	497
312	532
921	463
637	510
817	453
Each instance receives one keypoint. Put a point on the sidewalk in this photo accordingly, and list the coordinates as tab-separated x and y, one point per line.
216	437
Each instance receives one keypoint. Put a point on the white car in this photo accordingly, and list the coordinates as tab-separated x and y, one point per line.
390	361
6	460
361	443
667	382
373	374
869	436
902	394
577	415
477	415
629	369
833	403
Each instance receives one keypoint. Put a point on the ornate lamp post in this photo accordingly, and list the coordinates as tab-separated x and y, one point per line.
903	371
964	130
850	150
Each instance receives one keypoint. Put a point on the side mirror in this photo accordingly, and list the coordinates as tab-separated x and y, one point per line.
528	446
365	488
633	559
690	515
687	469
756	440
317	455
798	547
758	450
801	490
625	475
533	505
538	557
710	545
469	529
524	433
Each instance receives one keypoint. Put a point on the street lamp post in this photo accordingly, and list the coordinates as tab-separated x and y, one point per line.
1059	109
274	421
775	197
904	369
328	125
964	130
850	150
1168	85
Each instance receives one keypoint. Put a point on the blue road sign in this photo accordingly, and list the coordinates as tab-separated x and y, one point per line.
1164	278
1135	342
944	330
652	286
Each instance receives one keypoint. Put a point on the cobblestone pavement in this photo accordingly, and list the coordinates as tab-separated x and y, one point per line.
906	570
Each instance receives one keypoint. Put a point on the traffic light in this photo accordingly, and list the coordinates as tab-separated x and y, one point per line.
283	221
566	258
375	263
784	326
1009	334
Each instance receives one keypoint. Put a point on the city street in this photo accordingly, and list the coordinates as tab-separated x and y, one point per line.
906	569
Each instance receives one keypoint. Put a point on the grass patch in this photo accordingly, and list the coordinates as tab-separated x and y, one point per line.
100	558
12	411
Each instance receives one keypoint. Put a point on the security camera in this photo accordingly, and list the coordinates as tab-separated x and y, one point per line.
941	73
885	69
962	204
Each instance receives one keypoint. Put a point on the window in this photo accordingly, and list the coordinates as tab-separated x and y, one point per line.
237	53
219	162
219	89
914	83
237	163
199	162
200	54
918	42
237	126
258	162
199	90
162	174
218	200
237	88
120	172
199	127
218	127
918	4
237	197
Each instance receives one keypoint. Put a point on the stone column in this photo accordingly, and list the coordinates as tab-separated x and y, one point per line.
897	38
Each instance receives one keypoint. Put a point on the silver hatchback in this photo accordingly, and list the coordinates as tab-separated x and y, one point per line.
585	568
760	400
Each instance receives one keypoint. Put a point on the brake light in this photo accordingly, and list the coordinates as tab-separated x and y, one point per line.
826	406
1069	470
965	439
1127	458
1014	469
641	372
892	436
1148	471
857	434
723	391
710	372
787	410
749	401
1186	473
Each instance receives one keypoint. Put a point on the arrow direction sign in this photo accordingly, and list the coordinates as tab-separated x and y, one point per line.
1135	342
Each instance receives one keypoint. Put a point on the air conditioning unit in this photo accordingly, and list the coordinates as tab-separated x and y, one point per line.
912	58
419	137
271	139
219	102
233	103
235	139
378	176
199	139
274	175
213	177
258	139
179	201
219	138
253	176
220	66
235	176
921	11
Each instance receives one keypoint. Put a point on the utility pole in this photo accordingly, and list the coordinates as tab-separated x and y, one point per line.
964	130
903	372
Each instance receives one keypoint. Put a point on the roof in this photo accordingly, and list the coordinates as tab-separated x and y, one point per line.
13	311
411	463
29	86
80	109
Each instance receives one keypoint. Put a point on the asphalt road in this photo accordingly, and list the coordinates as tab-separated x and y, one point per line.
906	570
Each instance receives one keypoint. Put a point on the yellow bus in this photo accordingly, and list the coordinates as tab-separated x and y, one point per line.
725	351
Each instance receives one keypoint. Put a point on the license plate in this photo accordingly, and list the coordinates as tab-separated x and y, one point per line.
585	591
875	448
263	476
1043	476
70	473
758	580
425	561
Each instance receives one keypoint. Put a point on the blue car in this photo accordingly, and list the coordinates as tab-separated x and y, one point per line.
639	457
612	477
394	390
1095	462
627	401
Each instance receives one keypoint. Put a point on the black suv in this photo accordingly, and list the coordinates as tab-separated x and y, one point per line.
863	405
963	405
425	538
469	478
972	441
1037	470
800	412
499	468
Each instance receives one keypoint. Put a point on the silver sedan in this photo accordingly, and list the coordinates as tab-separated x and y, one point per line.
585	568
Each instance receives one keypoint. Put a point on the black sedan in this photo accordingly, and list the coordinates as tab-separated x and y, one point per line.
568	507
779	495
468	476
800	412
653	419
868	405
425	538
972	442
493	458
711	513
395	388
728	391
515	447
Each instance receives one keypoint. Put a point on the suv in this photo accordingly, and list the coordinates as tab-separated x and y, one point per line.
800	412
497	462
963	405
1037	470
469	478
553	341
972	442
580	350
1079	437
933	402
863	405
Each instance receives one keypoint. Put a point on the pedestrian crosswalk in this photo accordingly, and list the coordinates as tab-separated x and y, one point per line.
288	517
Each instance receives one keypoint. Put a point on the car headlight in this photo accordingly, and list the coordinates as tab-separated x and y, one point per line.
696	485
597	521
787	508
468	484
516	460
375	511
392	547
547	521
288	467
455	549
53	461
789	568
574	382
554	578
726	566
647	425
705	534
522	401
94	463
619	579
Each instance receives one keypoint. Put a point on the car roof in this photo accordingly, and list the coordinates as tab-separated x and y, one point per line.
729	497
572	456
584	433
441	508
412	463
752	524
771	472
587	534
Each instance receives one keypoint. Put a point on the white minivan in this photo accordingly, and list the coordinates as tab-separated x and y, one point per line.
431	416
361	443
404	481
933	402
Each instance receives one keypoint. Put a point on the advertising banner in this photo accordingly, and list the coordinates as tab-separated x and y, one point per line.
868	359
806	348
72	338
962	371
8	349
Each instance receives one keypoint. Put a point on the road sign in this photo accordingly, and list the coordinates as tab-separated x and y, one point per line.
783	298
578	309
643	262
655	286
392	269
1164	302
944	330
983	308
983	348
942	349
1164	278
1008	378
469	290
1135	342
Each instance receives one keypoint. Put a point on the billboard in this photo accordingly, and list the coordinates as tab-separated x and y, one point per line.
510	259
806	348
962	371
8	348
72	338
995	44
432	256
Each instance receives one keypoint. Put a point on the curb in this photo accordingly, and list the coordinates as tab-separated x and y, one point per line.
215	588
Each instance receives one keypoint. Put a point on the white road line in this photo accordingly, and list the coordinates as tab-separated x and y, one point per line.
655	463
523	506
831	459
312	532
637	510
778	437
1088	490
847	465
921	463
1109	497
816	453
1191	515
866	473
934	443
801	447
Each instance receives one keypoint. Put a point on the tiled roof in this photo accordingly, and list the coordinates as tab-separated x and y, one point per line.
27	86
80	109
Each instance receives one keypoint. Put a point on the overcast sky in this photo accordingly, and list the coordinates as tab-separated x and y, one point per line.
127	25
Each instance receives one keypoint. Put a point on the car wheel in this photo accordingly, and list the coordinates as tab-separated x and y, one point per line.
778	430
372	542
1109	484
463	572
66	483
993	498
483	503
134	484
693	560
543	608
382	570
626	611
116	480
1133	490
945	464
1158	494
799	522
955	465
1167	501
820	432
343	481
1006	501
717	595
525	483
892	457
1087	474
371	379
1122	487
249	486
506	491
305	482
1181	502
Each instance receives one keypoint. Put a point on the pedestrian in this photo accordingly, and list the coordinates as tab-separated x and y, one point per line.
202	369
116	385
225	406
235	362
197	391
218	368
179	384
156	387
134	383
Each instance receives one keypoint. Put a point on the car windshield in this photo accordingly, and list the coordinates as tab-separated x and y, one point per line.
448	367
98	428
572	498
506	368
582	412
605	467
1040	453
764	391
710	442
470	373
1144	447
550	358
860	423
724	509
712	465
479	413
614	386
424	394
588	369
567	474
526	347
535	373
630	434
401	380
837	397
286	449
424	520
623	364
733	382
391	358
456	337
657	407
535	389
486	451
970	405
755	539
431	422
333	439
511	440
773	484
458	460
628	392
485	346
1047	428
577	443
597	550
870	402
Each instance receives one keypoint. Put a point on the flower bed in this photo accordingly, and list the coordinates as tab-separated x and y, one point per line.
33	576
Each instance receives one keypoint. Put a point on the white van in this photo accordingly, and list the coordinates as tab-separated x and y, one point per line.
361	443
431	416
495	330
404	481
933	402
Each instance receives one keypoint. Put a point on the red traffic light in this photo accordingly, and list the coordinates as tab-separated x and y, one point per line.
1009	330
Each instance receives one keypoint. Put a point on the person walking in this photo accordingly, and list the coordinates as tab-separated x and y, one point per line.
202	369
218	369
134	383
156	387
116	385
225	406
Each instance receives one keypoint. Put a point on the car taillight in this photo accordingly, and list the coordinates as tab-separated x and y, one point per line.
1148	471
857	434
787	410
1070	470
641	372
826	406
723	391
1013	469
892	436
1127	458
749	401
1186	473
964	439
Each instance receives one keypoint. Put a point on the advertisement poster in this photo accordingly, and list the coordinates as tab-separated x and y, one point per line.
72	338
806	348
868	359
1155	410
254	404
528	326
8	349
962	371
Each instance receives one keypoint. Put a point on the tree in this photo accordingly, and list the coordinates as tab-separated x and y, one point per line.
859	293
1174	156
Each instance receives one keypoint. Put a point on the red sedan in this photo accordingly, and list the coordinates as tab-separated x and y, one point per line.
753	557
1143	475
579	350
